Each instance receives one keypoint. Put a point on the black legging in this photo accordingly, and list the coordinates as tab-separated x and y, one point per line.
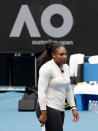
55	119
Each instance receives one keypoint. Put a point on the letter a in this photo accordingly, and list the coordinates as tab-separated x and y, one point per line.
24	16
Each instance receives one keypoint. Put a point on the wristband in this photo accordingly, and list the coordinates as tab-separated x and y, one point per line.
73	108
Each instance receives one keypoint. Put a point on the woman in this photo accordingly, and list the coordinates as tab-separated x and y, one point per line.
53	88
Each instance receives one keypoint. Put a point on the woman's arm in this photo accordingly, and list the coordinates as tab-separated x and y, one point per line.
71	101
43	81
70	96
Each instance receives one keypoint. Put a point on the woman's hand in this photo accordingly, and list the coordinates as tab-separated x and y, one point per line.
43	118
76	115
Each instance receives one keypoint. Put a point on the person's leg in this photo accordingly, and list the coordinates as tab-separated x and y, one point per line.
55	120
62	115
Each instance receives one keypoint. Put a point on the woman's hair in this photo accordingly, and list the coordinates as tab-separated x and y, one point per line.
47	55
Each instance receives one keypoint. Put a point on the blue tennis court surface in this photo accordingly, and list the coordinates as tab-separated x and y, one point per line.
13	120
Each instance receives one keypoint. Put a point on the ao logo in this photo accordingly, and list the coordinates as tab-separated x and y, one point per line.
25	16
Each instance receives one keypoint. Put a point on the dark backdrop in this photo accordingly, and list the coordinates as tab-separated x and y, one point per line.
82	38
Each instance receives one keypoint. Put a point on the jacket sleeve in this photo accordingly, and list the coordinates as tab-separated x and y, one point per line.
43	81
70	96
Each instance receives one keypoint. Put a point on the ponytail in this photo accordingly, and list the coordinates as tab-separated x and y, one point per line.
47	55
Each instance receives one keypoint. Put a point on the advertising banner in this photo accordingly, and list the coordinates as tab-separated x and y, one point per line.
27	25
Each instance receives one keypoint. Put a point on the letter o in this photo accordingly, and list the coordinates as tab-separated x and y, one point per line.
65	28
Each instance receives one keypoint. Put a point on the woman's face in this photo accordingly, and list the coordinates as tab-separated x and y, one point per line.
60	56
